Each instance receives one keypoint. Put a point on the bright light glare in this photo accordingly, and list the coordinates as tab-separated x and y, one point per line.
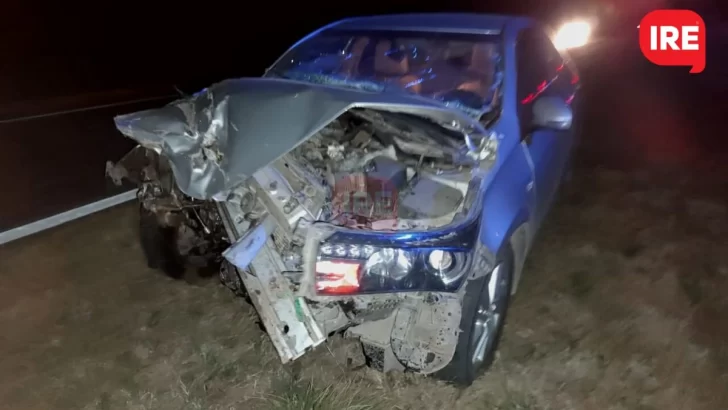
572	35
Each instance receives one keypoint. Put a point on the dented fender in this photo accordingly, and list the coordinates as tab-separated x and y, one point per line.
509	199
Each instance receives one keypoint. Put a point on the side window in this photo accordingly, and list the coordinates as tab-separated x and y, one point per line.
541	70
538	63
532	65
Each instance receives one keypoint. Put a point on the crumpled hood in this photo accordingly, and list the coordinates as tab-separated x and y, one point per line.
220	136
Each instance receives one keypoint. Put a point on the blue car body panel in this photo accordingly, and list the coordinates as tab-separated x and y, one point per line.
523	182
527	175
510	198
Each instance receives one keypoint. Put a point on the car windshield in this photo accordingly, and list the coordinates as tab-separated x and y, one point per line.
457	69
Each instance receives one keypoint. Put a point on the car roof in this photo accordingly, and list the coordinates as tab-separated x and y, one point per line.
445	22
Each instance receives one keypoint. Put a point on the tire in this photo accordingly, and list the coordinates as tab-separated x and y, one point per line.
462	370
159	244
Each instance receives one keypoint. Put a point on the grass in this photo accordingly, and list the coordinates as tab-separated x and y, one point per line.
306	395
622	306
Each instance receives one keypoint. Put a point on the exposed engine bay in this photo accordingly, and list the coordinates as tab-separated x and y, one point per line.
363	171
367	170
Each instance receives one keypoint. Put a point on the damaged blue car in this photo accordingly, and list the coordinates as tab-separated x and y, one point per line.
384	179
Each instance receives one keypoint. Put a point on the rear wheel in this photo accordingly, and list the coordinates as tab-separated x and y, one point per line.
484	311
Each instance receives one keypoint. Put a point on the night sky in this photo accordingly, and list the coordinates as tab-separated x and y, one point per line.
52	49
59	49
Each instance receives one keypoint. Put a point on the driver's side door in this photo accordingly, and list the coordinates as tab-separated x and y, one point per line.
542	72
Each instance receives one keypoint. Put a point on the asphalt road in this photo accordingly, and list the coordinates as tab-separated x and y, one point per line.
54	152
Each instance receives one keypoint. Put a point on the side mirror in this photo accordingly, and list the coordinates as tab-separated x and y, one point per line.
552	113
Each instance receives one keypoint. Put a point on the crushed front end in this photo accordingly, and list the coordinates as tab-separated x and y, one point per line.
362	218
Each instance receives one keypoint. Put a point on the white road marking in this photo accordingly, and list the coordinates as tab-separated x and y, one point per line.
64	217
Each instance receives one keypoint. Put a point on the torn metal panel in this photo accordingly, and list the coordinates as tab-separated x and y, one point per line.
421	334
217	138
286	317
132	166
425	333
244	250
374	336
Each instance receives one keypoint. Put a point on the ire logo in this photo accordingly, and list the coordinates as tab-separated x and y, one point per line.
674	38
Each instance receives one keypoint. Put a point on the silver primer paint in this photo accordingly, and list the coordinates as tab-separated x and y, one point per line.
220	136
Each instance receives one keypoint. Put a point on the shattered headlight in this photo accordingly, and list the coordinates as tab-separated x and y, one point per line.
359	269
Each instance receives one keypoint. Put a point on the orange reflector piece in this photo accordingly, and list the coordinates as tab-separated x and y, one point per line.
337	277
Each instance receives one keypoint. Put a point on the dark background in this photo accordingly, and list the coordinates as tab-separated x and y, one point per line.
64	49
61	61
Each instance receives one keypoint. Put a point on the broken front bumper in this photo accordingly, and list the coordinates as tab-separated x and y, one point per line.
417	329
286	317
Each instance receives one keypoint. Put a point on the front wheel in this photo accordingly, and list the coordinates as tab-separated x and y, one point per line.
484	311
159	244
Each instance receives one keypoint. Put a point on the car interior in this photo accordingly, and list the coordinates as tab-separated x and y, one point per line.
430	67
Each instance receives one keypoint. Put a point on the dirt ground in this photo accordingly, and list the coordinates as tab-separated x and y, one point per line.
622	306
